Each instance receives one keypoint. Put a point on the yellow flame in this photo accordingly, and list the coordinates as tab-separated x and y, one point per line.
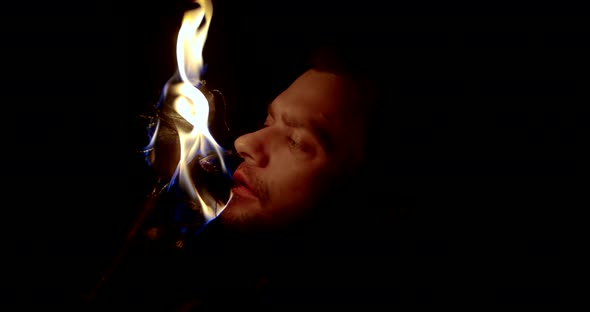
191	41
192	104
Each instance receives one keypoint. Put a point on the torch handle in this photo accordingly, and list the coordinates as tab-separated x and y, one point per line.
147	208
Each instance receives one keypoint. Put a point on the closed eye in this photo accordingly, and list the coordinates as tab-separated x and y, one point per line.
293	144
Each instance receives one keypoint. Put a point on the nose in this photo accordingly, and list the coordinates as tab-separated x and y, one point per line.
252	149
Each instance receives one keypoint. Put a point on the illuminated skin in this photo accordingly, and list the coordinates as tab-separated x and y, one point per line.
311	140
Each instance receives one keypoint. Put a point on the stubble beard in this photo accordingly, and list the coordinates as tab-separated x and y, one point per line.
244	213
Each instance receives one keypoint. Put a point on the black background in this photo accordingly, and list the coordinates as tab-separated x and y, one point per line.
498	159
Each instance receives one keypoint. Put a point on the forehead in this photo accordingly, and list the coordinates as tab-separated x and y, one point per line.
323	95
324	100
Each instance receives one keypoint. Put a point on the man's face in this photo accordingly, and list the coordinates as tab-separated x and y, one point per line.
310	143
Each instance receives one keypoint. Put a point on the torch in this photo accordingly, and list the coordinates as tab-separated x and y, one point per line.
198	187
190	173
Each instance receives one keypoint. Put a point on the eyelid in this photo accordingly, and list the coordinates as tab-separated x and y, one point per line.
297	142
294	144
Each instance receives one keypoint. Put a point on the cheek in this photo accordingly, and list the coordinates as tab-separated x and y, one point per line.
290	175
301	181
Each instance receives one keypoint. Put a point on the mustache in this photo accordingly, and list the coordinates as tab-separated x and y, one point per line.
257	185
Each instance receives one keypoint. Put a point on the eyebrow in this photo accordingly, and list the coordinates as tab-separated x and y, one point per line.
316	128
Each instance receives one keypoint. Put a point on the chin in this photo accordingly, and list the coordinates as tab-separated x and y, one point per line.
240	214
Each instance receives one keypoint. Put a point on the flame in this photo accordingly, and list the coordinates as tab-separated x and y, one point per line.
191	40
193	106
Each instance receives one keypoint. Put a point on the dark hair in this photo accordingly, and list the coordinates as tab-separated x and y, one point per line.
401	119
361	64
370	68
378	72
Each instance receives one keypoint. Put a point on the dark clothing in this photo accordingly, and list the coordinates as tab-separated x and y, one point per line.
218	269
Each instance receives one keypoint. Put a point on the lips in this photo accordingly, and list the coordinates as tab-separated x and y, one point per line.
242	187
